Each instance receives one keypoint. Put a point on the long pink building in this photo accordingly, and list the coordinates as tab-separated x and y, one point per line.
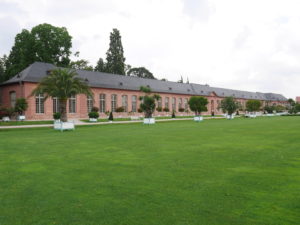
113	91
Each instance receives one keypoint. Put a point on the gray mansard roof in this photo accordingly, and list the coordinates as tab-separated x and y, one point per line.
36	71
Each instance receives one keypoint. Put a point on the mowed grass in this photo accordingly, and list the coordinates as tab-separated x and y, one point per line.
239	172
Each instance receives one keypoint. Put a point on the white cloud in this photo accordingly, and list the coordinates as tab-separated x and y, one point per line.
252	45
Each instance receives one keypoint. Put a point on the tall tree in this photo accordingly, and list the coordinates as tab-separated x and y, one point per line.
229	105
101	66
181	80
198	104
3	68
44	43
62	84
140	72
115	60
81	64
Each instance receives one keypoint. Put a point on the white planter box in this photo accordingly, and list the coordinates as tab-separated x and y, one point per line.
270	114
251	115
198	118
230	117
134	118
21	117
64	126
5	119
93	120
149	120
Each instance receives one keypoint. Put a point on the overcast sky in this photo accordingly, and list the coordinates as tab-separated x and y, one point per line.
249	45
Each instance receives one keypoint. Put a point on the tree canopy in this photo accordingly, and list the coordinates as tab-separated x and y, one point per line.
44	43
198	104
141	72
115	60
229	105
101	66
253	105
148	101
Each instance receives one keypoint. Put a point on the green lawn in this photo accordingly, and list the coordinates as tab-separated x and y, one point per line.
227	172
20	123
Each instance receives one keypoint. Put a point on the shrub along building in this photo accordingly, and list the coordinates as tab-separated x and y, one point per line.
120	94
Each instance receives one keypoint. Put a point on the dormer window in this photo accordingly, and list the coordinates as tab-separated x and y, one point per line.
121	84
201	91
188	90
148	85
48	72
170	88
86	80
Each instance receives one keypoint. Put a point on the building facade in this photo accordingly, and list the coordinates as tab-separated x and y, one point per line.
114	91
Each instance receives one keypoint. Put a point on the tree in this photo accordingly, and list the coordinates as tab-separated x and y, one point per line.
148	101
297	107
228	105
115	60
44	43
198	104
81	64
141	72
101	66
3	68
21	105
62	84
253	105
181	80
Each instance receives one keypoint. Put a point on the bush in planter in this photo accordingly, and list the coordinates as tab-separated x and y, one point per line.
280	108
181	109
140	110
120	109
56	115
6	112
94	115
95	109
198	104
173	114
166	110
148	101
21	106
111	117
269	109
159	109
228	105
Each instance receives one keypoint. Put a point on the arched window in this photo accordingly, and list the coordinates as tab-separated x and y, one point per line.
125	102
174	104
39	104
180	103
186	105
102	103
133	103
113	102
72	104
13	98
55	105
167	102
90	103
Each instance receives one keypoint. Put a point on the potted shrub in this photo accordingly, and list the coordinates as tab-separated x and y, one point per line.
6	113
173	114
56	116
198	105
252	106
148	104
111	117
20	107
120	109
229	106
94	115
270	110
181	109
166	110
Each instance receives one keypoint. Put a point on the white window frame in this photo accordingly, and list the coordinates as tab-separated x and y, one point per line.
102	105
39	104
72	104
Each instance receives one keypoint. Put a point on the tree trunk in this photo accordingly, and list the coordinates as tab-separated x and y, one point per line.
63	110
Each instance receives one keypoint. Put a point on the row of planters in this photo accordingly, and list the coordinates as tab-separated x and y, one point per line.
17	112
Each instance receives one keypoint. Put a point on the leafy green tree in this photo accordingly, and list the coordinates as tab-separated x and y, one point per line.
297	107
81	64
44	43
141	72
181	80
253	105
269	109
21	105
198	104
115	60
148	101
228	105
3	68
62	83
52	44
101	66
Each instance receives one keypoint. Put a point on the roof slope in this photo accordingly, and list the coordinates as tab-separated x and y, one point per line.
36	71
